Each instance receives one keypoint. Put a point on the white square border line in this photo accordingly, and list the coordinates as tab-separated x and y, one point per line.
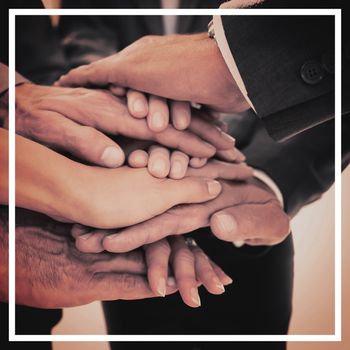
338	214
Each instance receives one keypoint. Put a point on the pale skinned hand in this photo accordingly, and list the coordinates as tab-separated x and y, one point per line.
178	67
162	162
244	211
76	121
190	266
52	273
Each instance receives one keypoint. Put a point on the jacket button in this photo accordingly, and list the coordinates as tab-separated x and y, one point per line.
312	72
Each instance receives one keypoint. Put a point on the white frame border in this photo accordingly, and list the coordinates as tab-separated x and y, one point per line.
146	12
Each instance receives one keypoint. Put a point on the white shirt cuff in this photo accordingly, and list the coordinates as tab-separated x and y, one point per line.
221	40
270	183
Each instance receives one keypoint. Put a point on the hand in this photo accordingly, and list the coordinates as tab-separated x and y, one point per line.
258	219
75	120
179	67
162	163
190	265
52	273
110	198
157	111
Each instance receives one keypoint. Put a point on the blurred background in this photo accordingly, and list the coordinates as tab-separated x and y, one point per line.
313	299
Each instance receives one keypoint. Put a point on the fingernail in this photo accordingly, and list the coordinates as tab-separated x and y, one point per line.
85	237
161	288
210	145
195	296
219	285
238	244
176	168
112	157
181	123
229	154
139	106
214	188
158	120
228	137
227	223
159	167
171	282
228	280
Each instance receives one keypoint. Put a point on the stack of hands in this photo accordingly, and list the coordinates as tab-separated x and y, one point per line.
150	170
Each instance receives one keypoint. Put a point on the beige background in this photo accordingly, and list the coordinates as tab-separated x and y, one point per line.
313	302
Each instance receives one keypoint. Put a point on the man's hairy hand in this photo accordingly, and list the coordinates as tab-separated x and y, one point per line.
51	272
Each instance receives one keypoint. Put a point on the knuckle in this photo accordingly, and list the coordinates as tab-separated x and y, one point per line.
128	282
80	91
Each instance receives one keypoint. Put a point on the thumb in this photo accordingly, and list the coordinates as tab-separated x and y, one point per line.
265	222
192	190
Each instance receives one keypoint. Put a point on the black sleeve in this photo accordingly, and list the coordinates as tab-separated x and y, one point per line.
302	167
87	38
287	65
39	56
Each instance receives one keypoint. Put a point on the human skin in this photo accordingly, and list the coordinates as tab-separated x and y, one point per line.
244	211
179	67
76	121
52	184
51	272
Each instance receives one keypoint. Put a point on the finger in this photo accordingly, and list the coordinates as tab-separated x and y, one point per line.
158	115
191	190
205	272
217	169
198	162
183	264
223	277
83	142
91	242
196	189
138	159
137	103
159	161
180	112
85	75
157	260
186	142
265	221
117	90
79	230
231	155
178	165
177	221
211	133
114	286
131	262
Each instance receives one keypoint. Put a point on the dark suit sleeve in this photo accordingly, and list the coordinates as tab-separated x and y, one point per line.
86	38
287	66
302	167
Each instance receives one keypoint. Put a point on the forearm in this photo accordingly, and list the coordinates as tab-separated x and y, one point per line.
46	181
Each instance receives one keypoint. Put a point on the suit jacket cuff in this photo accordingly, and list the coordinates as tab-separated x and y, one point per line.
224	48
263	177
